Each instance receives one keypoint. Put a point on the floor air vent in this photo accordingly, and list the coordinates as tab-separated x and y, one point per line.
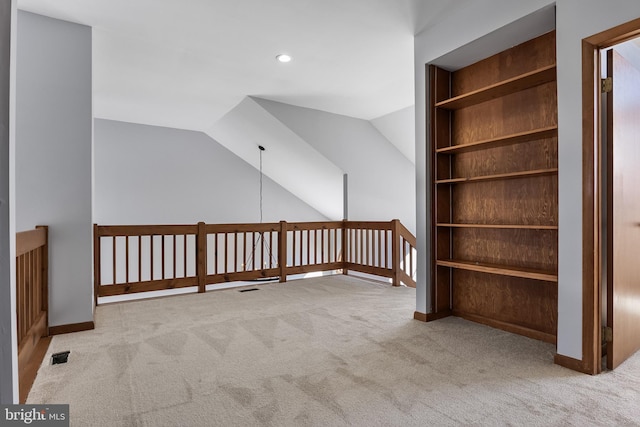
61	357
248	290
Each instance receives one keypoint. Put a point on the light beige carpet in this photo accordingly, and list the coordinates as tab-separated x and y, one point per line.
329	351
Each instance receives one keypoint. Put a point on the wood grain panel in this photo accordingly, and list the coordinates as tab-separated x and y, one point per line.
523	201
502	140
528	156
536	249
533	108
501	89
523	302
530	55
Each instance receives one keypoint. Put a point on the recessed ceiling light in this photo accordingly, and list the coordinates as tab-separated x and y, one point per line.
283	57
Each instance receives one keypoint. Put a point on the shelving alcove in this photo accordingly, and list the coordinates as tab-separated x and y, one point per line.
494	160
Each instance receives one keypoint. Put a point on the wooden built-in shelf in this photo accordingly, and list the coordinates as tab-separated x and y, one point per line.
525	273
500	226
494	198
532	135
497	90
510	175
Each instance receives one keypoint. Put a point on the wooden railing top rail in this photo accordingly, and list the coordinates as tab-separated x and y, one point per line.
145	230
135	230
407	235
242	228
26	241
314	225
369	225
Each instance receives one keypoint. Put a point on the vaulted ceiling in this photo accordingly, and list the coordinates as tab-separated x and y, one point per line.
186	63
205	64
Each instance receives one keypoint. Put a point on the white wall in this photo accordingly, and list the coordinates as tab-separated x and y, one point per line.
575	20
381	178
53	155
398	127
155	175
8	348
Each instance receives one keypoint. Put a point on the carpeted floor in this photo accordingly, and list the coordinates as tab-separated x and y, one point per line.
328	351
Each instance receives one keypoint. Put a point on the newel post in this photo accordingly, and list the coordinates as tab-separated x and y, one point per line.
282	251
345	245
201	256
395	252
44	274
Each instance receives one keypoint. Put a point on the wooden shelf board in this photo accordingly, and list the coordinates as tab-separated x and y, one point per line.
511	175
500	226
525	273
515	138
515	84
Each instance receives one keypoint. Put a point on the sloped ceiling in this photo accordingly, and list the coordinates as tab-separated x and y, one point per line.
196	64
185	64
288	160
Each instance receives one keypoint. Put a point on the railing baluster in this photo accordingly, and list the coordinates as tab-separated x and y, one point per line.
293	248
379	247
410	261
322	247
126	263
163	255
360	255
184	255
20	297
151	257
404	254
235	252
173	265
262	243
271	249
244	251
367	244
254	258
27	300
301	246
226	248
214	253
386	249
114	259
139	258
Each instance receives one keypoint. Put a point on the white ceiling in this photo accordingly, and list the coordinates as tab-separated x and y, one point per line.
186	63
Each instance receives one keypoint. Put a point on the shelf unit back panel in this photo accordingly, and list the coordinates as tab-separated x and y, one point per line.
504	277
527	156
523	303
534	249
523	201
533	108
531	55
